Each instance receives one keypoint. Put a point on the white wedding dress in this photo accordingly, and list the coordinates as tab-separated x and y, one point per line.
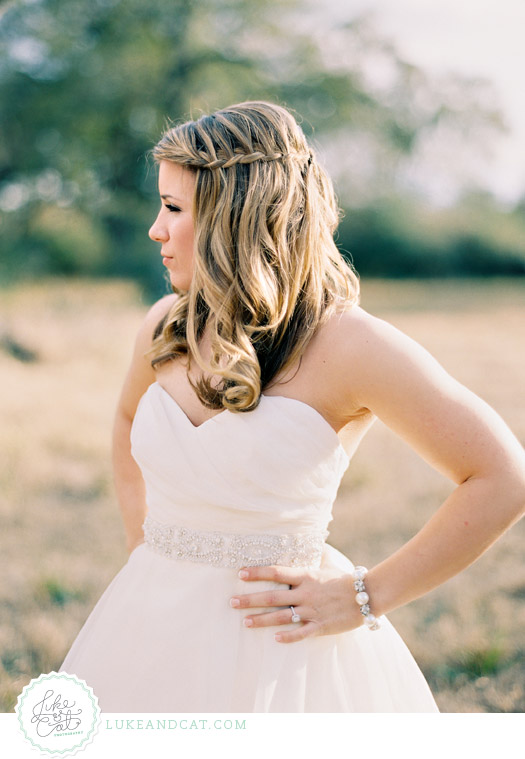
241	488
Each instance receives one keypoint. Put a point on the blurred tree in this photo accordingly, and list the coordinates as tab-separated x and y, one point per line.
86	87
402	237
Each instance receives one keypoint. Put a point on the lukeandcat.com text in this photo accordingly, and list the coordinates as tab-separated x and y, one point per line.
173	724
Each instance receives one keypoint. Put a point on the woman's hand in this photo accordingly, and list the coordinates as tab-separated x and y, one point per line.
323	598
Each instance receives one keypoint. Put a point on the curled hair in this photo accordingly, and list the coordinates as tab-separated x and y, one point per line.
267	272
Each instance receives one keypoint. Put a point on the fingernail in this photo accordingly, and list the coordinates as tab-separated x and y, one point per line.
278	637
243	574
234	602
247	622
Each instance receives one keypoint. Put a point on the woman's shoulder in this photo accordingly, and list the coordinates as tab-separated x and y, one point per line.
354	332
154	315
161	308
369	359
361	337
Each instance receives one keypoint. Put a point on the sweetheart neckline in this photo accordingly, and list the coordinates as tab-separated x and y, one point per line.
317	413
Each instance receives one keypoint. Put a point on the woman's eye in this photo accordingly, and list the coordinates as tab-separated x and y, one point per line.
171	208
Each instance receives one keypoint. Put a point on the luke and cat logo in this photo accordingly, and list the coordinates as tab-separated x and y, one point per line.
58	714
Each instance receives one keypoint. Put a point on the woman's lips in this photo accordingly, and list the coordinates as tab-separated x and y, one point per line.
166	260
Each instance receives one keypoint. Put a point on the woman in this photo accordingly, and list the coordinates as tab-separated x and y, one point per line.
227	455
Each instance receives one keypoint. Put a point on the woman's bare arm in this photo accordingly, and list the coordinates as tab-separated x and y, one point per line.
129	484
371	365
451	428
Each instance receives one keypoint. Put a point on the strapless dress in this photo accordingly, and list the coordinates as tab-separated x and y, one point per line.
240	489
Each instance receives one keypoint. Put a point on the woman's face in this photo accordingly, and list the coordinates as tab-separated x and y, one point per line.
173	227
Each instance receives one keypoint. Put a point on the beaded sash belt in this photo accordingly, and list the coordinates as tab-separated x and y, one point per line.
223	549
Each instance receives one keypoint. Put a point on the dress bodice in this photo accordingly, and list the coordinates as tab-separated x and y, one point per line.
243	489
276	468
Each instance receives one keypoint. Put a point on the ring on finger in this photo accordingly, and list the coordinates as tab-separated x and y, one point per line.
295	616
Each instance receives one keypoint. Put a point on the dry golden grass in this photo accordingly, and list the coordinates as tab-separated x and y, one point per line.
62	540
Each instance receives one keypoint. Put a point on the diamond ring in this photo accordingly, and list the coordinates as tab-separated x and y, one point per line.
295	617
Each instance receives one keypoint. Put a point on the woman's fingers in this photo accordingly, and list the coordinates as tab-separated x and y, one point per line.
287	576
299	632
274	573
281	617
269	618
322	598
264	598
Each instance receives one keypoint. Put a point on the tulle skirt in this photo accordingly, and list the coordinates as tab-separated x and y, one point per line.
163	638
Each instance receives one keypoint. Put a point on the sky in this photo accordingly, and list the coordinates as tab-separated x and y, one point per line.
473	37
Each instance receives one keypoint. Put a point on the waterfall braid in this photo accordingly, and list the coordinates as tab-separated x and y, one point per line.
267	272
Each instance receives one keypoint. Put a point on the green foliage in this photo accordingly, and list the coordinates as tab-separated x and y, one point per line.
486	661
403	238
16	349
74	241
472	664
86	87
10	662
53	591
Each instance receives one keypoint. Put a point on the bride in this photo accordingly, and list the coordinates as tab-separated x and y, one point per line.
228	457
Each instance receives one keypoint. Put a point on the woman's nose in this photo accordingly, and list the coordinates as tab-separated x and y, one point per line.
157	233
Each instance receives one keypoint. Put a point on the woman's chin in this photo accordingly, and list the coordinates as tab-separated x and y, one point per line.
181	283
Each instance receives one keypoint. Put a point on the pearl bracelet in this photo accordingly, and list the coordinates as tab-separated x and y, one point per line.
362	598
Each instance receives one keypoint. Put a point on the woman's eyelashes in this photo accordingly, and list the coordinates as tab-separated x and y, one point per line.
171	208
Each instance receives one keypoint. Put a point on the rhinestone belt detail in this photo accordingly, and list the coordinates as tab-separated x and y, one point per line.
235	550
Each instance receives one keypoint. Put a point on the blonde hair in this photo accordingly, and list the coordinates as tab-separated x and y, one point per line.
267	272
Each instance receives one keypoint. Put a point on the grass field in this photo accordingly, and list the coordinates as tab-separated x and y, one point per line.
64	347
